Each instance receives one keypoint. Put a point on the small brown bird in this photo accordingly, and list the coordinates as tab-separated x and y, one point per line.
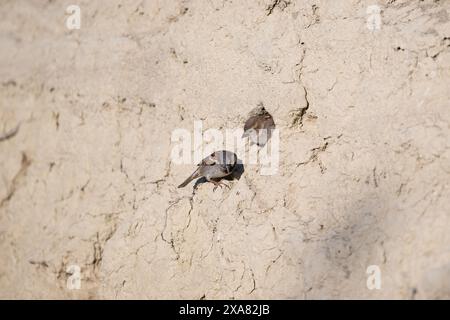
259	125
217	165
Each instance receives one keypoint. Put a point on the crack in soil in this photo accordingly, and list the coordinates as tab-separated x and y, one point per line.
13	186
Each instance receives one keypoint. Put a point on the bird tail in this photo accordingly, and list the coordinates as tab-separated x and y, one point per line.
196	174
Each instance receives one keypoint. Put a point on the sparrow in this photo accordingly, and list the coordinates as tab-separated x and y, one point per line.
259	125
217	165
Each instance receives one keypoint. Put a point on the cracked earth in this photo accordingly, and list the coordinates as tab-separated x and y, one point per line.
86	118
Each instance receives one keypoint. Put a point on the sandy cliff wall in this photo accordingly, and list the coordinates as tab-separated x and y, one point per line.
364	169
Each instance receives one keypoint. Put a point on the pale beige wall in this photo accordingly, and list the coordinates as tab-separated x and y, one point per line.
364	173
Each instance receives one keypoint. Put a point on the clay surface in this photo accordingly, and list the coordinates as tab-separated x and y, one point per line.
87	179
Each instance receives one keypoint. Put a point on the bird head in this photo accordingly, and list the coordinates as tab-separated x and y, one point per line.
259	110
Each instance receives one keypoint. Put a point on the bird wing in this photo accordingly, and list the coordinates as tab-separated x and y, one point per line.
269	123
251	123
208	161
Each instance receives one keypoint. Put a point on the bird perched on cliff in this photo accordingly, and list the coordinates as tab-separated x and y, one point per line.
217	165
259	125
